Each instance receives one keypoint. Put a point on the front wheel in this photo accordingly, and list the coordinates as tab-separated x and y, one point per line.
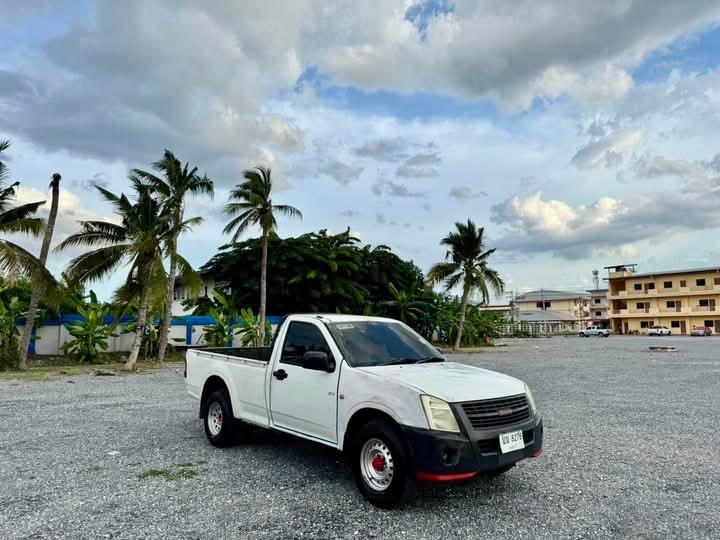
582	334
381	465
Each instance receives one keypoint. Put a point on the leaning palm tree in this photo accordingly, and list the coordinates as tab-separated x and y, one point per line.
37	288
171	187
137	241
254	207
466	263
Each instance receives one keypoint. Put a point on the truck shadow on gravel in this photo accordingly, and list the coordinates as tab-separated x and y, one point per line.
301	463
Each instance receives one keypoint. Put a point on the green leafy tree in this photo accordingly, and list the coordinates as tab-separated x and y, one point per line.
466	266
136	242
317	272
251	204
172	185
90	335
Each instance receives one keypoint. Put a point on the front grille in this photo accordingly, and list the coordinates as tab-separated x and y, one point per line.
494	413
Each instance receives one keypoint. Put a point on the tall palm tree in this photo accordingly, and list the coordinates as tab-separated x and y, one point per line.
37	288
137	241
405	303
21	219
174	184
466	264
254	207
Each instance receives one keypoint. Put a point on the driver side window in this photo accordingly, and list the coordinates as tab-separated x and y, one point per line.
300	338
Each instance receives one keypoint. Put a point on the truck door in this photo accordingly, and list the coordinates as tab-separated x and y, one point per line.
302	399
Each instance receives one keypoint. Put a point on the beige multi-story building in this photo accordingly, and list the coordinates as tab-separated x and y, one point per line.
599	307
573	305
677	299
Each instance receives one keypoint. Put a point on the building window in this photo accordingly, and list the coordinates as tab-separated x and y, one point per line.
650	285
645	324
598	300
638	286
700	282
683	283
674	324
667	284
703	302
179	293
709	324
598	313
670	303
539	305
717	281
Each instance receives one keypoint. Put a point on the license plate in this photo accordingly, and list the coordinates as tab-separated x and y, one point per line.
509	442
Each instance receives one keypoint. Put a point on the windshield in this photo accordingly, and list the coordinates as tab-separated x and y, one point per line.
374	343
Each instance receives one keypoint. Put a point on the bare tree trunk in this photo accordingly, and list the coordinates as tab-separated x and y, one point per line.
141	318
461	323
263	290
164	332
37	289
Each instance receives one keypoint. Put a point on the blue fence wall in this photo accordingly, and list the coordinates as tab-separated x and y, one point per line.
52	334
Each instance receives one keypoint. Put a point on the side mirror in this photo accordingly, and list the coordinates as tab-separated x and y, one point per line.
318	361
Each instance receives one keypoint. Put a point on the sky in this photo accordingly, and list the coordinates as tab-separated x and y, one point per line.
580	134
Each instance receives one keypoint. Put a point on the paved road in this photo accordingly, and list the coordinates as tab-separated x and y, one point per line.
632	450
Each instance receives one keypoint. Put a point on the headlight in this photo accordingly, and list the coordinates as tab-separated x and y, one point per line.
530	399
439	414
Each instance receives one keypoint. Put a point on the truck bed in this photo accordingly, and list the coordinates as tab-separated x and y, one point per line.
244	370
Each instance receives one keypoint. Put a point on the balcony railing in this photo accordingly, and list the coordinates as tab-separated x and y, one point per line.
640	310
619	311
705	308
676	309
706	287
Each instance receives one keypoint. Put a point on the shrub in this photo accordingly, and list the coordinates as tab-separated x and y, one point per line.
91	334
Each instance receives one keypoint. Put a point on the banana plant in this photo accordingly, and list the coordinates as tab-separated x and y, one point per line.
221	333
10	309
250	330
90	335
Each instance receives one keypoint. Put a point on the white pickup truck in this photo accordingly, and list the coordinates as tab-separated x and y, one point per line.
375	390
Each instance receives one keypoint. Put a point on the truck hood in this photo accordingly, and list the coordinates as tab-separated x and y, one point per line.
451	381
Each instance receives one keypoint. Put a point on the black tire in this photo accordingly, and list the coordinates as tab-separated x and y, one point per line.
497	472
401	488
582	334
226	434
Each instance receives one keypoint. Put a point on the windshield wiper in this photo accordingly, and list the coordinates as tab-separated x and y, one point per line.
430	359
425	360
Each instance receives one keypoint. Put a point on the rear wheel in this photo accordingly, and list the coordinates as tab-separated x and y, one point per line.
220	425
381	465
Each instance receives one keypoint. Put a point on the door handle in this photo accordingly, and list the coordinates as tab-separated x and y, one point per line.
280	374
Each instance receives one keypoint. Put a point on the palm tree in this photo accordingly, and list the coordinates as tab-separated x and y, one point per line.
37	288
20	220
466	263
255	207
137	241
176	182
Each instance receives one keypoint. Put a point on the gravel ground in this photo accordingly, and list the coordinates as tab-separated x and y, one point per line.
631	450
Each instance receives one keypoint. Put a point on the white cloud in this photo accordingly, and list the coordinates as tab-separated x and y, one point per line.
607	151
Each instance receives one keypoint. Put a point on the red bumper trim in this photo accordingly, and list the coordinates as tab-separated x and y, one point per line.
432	477
538	453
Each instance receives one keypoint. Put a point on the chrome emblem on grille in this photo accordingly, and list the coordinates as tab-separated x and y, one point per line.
504	412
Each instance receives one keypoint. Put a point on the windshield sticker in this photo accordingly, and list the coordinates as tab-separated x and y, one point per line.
345	326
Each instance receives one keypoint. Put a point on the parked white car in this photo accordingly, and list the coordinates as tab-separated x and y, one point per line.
594	331
375	390
659	331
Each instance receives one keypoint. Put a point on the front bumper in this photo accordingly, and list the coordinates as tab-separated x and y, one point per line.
442	456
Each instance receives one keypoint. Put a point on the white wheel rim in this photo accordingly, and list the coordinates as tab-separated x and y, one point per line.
215	418
376	464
